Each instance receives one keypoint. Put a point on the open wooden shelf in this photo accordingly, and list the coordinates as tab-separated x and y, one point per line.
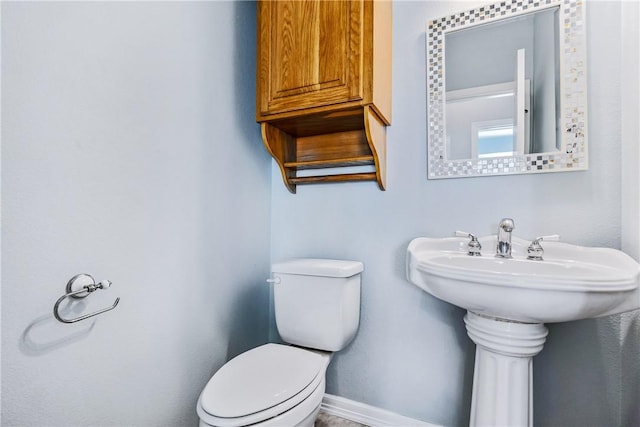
354	137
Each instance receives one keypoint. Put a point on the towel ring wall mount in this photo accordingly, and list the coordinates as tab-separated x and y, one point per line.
81	286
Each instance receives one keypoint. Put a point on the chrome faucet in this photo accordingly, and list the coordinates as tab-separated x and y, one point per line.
503	248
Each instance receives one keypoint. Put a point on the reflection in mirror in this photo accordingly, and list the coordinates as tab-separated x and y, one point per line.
484	67
482	121
506	90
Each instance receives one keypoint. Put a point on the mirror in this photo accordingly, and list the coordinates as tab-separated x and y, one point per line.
507	90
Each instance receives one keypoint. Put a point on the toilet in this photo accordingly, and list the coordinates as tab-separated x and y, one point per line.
317	310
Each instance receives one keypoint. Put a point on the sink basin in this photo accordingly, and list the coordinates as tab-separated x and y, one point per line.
571	283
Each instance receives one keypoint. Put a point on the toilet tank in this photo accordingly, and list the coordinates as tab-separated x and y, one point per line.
317	302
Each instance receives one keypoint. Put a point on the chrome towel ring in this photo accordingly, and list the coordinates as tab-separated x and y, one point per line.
80	286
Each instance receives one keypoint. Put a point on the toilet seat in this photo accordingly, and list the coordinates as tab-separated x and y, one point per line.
260	384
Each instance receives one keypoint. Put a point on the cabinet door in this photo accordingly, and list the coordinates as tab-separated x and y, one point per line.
309	54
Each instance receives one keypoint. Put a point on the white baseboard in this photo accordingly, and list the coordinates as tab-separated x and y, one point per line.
366	414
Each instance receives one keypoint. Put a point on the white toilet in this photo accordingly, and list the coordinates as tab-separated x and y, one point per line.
317	308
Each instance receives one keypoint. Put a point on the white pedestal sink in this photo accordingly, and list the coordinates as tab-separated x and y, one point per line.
509	300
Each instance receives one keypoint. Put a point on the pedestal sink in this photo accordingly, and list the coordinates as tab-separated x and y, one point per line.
509	300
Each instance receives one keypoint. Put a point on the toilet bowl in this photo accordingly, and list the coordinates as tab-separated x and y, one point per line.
317	308
271	385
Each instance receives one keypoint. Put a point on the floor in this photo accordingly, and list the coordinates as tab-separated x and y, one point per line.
326	420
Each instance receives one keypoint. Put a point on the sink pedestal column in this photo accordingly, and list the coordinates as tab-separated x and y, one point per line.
502	377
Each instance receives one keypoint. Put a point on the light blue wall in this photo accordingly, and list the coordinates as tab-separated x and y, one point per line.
630	95
129	151
412	354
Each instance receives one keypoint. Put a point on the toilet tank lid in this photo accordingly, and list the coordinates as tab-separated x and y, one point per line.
318	267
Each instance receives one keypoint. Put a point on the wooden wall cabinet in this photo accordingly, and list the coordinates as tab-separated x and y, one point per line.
324	87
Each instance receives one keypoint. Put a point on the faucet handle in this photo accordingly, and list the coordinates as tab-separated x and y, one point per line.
535	250
474	246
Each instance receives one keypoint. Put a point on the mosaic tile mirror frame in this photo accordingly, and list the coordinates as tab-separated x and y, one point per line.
570	153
